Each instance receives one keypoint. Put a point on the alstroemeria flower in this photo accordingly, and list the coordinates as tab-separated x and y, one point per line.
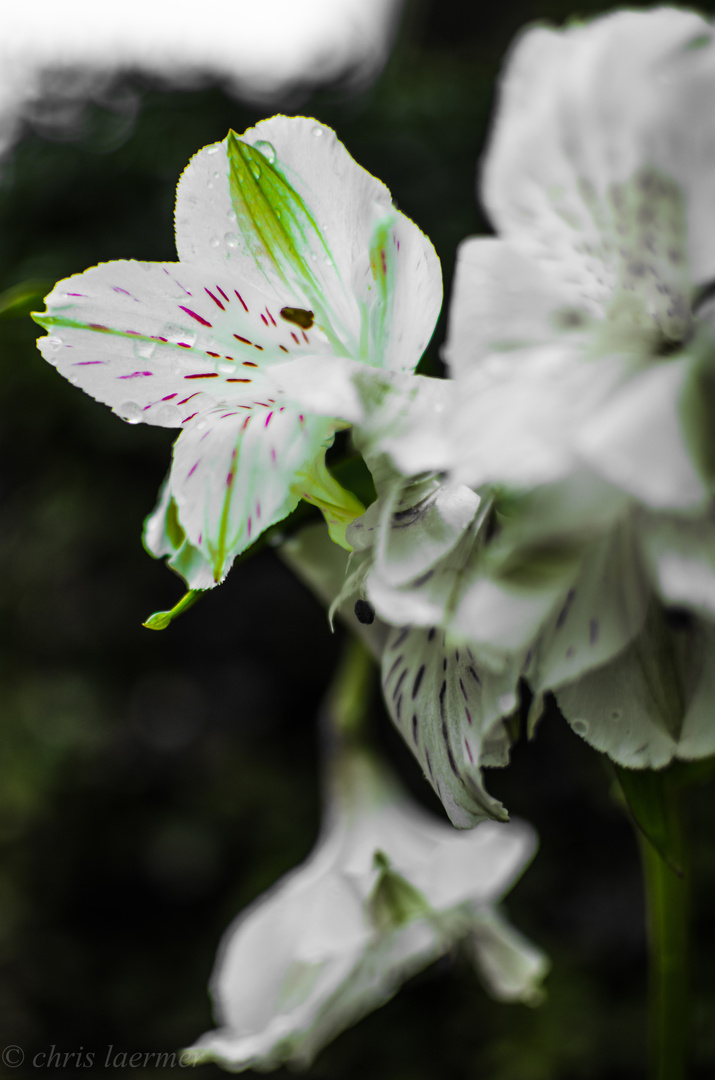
387	890
294	271
582	347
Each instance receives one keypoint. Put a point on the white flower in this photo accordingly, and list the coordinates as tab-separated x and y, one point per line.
295	273
386	891
579	417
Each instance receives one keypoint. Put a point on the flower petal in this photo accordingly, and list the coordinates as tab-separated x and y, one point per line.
448	713
599	616
602	133
511	966
325	224
164	536
161	342
681	554
235	473
637	440
654	701
503	301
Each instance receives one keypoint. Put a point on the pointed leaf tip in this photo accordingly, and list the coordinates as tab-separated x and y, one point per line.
161	619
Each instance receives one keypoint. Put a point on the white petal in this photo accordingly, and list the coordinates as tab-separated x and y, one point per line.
697	737
236	472
637	707
516	415
479	866
602	131
447	711
502	301
161	342
510	965
681	554
346	206
636	440
164	536
601	613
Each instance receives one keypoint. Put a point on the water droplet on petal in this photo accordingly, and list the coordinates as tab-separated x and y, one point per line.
214	241
267	149
54	344
217	175
581	727
327	260
231	215
168	416
214	149
317	131
209	183
231	240
144	350
225	367
176	335
131	412
201	425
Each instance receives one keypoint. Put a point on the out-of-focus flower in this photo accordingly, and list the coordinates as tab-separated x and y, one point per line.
559	525
386	891
295	272
582	347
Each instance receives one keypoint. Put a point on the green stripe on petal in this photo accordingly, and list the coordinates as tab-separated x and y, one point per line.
280	231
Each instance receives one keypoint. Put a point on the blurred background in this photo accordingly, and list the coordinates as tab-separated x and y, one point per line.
153	784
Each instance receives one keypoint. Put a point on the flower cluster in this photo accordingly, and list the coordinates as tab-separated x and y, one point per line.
553	519
544	515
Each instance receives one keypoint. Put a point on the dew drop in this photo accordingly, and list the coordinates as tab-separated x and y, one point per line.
144	350
175	334
256	171
214	241
231	240
225	367
214	149
317	131
217	175
209	183
231	215
130	411
327	260
54	344
581	727
201	425
267	149
168	416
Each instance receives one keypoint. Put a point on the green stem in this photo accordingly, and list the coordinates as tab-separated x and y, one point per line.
668	932
346	704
